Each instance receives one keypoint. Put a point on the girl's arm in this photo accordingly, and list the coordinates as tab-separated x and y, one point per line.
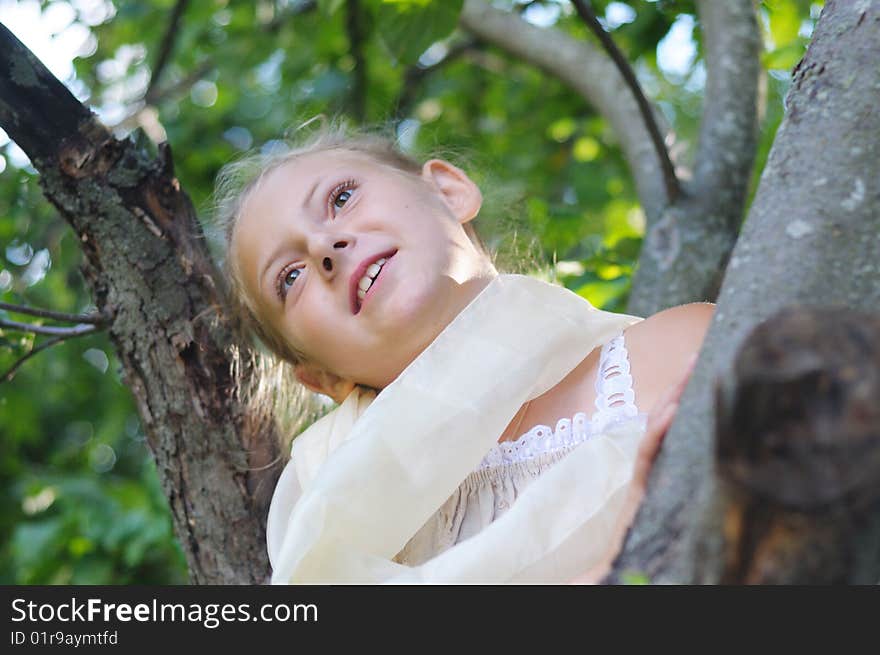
660	348
658	423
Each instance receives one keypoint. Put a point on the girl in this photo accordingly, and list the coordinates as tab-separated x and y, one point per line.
361	269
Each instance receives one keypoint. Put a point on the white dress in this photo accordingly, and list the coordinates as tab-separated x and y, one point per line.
505	472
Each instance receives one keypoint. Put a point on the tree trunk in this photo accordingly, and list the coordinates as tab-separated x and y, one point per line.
148	267
811	238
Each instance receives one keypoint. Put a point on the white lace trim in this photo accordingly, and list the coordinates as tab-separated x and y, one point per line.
615	402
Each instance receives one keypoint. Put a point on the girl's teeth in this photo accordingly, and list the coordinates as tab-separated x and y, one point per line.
366	281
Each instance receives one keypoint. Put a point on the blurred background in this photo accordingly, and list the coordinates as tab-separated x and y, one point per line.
80	501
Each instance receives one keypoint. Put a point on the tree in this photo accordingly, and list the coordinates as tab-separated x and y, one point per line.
154	283
830	259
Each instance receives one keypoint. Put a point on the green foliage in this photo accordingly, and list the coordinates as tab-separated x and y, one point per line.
81	502
94	531
409	27
784	23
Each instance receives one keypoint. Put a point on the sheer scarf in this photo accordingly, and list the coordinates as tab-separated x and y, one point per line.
373	471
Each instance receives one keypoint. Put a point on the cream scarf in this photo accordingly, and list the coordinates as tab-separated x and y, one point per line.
376	468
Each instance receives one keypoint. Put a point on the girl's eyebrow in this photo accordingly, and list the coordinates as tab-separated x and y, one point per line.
270	265
308	197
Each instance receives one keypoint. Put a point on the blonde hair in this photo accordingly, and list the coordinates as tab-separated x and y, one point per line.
271	388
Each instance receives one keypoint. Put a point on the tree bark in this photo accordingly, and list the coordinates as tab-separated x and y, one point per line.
811	238
687	242
148	267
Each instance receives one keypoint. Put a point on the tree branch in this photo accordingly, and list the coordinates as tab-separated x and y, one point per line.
587	70
94	319
52	117
74	331
167	45
685	252
729	126
586	13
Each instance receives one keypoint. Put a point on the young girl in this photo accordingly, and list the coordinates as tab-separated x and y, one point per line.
461	450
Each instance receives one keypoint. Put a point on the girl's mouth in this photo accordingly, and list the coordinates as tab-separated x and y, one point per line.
368	278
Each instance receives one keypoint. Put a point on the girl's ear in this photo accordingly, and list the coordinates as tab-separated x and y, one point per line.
460	194
320	381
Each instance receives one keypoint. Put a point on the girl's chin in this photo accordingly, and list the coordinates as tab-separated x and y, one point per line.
404	301
412	316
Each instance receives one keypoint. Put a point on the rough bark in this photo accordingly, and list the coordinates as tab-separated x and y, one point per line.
811	238
148	267
798	452
687	242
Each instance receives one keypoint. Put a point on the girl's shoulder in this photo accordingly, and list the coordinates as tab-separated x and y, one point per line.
660	347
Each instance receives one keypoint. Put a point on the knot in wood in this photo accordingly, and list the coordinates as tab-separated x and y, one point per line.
798	422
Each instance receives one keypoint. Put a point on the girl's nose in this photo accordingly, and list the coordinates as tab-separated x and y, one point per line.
327	262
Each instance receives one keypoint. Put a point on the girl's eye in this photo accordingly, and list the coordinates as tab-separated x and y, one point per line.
286	280
341	194
341	198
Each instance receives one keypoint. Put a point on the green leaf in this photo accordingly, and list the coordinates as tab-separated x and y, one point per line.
785	21
408	27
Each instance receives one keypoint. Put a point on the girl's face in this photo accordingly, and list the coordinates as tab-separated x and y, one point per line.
317	229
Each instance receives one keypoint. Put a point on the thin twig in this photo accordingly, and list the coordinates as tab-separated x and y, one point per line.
75	331
167	45
673	189
292	11
356	36
416	73
131	120
184	84
10	372
7	376
94	319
